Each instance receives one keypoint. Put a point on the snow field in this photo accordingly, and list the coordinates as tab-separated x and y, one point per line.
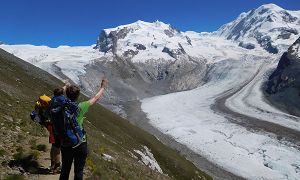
71	60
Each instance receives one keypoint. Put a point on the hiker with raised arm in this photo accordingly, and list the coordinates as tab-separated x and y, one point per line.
73	136
54	138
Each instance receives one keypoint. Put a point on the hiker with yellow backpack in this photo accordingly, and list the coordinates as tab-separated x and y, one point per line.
40	115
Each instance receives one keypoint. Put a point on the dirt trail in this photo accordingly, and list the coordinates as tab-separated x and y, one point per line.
44	161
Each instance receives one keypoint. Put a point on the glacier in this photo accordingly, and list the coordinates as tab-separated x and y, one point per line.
188	118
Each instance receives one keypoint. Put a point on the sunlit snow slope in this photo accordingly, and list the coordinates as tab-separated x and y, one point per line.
68	60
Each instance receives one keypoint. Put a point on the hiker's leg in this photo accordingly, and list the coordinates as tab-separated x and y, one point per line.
57	150
55	159
52	157
51	140
67	155
79	160
56	156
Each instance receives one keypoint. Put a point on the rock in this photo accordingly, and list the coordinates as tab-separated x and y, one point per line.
9	118
287	72
174	52
139	46
130	53
107	157
107	42
247	45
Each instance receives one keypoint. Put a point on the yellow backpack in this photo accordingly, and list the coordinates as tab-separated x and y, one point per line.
43	102
41	105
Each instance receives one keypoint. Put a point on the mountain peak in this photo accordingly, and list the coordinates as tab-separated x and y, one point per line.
264	26
140	25
270	6
140	36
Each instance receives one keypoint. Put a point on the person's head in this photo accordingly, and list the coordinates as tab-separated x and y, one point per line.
73	92
58	91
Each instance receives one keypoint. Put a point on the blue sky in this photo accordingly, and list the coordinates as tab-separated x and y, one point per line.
78	22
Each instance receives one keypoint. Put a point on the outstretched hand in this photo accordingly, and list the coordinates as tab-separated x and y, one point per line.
67	82
104	83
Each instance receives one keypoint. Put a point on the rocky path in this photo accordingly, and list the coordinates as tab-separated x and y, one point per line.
44	161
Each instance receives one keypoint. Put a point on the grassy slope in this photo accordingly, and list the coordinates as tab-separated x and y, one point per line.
20	85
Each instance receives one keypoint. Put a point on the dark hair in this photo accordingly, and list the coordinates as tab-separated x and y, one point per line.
58	91
73	92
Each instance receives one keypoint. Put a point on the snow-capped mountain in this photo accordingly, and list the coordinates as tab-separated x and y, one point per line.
153	52
142	40
147	59
268	26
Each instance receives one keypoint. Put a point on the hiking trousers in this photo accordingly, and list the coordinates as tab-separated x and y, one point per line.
77	154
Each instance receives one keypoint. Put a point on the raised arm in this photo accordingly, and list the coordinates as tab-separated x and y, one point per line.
67	83
94	99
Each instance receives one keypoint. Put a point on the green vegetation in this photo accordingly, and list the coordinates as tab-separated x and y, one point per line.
14	177
107	133
28	161
2	152
41	147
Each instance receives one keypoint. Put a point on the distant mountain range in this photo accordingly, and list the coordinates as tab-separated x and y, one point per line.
145	59
268	26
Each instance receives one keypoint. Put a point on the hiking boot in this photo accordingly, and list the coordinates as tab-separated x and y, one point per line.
55	169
